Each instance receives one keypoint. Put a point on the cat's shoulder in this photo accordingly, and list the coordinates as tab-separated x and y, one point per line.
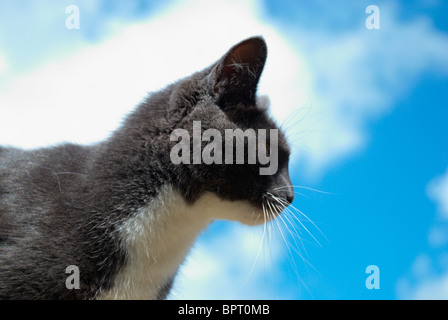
64	152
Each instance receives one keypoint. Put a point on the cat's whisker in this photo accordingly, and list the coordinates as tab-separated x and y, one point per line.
56	175
301	223
261	243
282	206
291	117
309	220
295	192
141	203
286	204
285	218
303	187
269	226
275	212
315	190
252	217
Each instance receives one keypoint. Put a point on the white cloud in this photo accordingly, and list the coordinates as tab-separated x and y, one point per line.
434	289
226	266
3	64
438	191
438	236
428	288
326	87
338	82
360	75
421	266
429	274
83	97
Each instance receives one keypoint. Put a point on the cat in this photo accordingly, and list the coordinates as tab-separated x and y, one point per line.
120	210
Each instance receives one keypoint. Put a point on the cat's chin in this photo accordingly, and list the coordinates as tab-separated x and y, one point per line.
257	216
242	211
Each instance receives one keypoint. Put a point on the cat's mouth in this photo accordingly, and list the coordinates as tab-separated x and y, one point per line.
273	205
269	208
248	212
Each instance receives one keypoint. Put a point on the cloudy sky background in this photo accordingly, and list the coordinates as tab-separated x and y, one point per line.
365	111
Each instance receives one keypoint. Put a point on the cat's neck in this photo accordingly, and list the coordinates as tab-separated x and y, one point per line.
156	240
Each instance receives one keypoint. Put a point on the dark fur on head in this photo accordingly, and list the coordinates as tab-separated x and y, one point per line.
63	205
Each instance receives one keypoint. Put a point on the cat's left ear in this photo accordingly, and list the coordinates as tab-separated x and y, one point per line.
235	77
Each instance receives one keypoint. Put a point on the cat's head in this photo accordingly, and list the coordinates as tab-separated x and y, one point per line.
213	111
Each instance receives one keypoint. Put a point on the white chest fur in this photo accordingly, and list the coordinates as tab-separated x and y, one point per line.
158	238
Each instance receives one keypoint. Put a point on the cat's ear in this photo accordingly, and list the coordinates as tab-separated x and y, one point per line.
236	75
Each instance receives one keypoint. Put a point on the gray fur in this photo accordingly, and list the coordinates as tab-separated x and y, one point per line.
63	205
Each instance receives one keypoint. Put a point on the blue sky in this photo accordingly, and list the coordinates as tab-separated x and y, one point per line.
365	111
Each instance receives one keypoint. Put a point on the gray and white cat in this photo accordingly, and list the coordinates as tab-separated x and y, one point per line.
121	210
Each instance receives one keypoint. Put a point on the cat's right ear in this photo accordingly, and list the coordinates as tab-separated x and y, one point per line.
235	77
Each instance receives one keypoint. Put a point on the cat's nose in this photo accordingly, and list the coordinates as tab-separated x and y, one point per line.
285	196
290	197
284	189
